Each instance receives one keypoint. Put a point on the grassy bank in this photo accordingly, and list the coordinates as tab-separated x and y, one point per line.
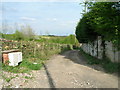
109	67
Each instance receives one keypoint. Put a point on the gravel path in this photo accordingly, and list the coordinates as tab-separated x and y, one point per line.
68	70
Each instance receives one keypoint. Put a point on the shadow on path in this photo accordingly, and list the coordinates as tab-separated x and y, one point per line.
50	80
76	57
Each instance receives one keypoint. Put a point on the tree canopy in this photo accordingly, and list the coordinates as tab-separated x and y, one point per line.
102	19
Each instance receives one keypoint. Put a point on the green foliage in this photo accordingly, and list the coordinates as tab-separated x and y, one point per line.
71	39
7	79
111	67
30	65
8	36
24	67
33	56
105	20
16	69
26	33
101	19
84	32
1	35
108	66
28	77
90	60
18	35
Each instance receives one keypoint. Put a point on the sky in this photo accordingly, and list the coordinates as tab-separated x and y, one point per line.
45	17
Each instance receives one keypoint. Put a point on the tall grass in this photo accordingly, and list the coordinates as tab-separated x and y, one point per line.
110	67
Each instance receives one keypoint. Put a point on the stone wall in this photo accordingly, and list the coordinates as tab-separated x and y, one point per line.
96	49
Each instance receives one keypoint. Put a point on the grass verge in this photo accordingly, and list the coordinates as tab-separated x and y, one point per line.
7	79
24	67
109	67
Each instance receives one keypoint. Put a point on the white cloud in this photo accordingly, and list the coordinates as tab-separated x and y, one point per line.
28	19
52	19
69	23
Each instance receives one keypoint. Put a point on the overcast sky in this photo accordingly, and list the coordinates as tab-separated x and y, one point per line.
53	17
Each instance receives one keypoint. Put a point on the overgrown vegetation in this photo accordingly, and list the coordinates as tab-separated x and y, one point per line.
102	19
26	33
24	67
110	67
34	54
7	79
71	39
35	48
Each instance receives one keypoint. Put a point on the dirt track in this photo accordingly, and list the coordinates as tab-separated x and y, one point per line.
69	70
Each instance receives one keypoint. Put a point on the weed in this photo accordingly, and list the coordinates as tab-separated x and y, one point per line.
7	79
16	69
30	65
27	77
32	52
17	76
24	67
110	67
26	81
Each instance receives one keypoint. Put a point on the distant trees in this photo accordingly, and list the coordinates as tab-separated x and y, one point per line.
18	35
25	33
71	39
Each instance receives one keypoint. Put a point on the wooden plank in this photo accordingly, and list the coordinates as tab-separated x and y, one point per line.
9	51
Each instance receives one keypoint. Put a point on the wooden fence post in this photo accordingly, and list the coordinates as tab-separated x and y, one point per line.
34	48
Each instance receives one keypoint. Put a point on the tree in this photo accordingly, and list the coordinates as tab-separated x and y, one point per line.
101	19
105	21
18	35
84	32
27	32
